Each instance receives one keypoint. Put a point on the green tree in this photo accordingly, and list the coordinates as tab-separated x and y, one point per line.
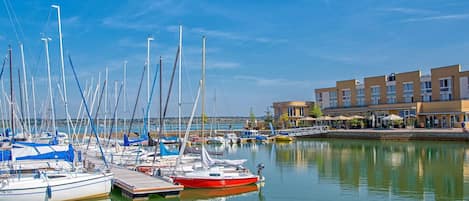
205	118
315	111
252	118
284	119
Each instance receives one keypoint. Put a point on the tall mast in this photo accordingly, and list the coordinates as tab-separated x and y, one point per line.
203	85
125	94
161	102
179	85
46	43
63	68
149	39
12	121
25	89
105	100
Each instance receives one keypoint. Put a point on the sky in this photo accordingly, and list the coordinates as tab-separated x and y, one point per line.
258	52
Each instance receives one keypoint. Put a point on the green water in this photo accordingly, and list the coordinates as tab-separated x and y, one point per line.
315	169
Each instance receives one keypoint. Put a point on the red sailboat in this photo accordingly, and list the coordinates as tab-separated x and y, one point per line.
216	173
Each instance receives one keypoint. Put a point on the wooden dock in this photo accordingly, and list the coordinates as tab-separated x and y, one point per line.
137	186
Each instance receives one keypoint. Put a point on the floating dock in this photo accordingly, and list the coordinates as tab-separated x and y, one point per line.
136	185
139	186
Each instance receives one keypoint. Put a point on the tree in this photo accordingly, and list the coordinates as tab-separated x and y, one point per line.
315	111
204	118
284	119
252	118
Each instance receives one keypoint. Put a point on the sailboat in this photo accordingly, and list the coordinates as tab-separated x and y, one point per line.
214	173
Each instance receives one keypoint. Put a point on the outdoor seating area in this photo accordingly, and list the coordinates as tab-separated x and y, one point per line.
358	122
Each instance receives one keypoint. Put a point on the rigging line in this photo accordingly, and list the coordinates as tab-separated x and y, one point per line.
11	20
16	19
114	114
136	102
97	111
88	112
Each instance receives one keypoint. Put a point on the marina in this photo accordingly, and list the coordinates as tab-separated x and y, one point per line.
221	100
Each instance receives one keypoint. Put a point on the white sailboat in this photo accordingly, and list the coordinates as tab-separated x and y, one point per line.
56	186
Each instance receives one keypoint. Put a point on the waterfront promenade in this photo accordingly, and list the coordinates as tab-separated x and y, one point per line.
452	134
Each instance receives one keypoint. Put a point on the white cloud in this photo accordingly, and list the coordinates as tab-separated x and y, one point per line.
226	35
127	42
71	20
438	17
409	11
222	65
118	22
270	82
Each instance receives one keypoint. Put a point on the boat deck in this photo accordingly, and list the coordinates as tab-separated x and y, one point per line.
137	185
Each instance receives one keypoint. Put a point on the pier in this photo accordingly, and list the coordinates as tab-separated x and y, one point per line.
137	186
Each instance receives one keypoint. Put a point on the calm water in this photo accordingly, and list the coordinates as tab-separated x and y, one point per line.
349	170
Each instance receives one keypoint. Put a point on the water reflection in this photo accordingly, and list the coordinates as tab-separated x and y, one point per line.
205	194
411	169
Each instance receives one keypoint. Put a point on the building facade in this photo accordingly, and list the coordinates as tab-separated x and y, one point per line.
440	99
294	109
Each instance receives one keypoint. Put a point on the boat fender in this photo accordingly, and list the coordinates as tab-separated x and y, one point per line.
49	192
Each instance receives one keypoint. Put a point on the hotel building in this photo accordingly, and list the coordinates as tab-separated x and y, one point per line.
440	99
294	109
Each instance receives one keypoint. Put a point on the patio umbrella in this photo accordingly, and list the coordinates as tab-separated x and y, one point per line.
392	117
357	117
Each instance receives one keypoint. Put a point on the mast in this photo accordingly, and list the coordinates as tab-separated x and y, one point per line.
20	86
105	100
63	68
12	121
161	105
25	89
51	95
179	85
203	86
125	94
34	104
149	39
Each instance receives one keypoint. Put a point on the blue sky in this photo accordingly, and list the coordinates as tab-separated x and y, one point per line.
258	52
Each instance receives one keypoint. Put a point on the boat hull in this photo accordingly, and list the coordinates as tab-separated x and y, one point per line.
92	186
215	182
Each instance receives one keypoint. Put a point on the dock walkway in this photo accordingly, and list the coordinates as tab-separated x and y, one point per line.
137	185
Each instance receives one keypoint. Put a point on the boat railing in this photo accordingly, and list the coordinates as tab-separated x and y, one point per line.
314	130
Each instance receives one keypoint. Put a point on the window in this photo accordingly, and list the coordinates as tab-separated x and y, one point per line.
375	94
408	92
346	97
445	89
391	94
391	99
408	87
360	96
333	98
391	89
319	97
